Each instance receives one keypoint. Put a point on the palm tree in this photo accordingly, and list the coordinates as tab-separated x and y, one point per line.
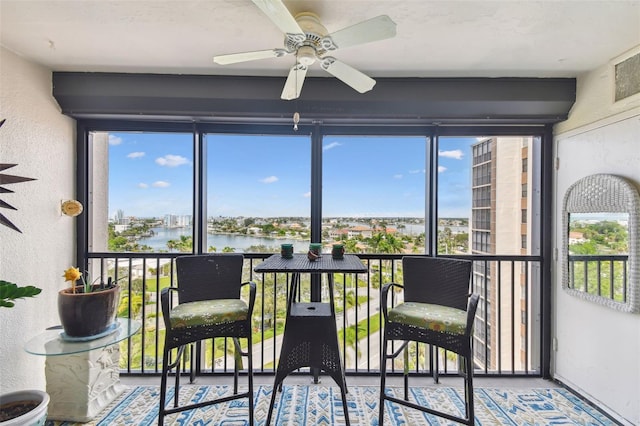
136	305
350	302
445	240
350	340
375	241
185	245
391	244
351	246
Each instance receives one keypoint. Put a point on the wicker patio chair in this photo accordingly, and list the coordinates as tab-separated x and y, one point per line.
438	310
209	306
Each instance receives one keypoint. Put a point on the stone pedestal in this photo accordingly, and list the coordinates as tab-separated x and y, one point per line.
81	385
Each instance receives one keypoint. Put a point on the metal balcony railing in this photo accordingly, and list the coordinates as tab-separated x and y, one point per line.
507	337
605	276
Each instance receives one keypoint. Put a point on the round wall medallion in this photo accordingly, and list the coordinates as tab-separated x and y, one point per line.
72	207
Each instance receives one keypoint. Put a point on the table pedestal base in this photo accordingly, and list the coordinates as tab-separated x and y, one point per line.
310	340
82	385
310	336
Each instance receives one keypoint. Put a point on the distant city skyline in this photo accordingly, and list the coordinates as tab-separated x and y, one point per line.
151	175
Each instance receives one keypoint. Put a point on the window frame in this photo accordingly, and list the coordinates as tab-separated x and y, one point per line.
317	131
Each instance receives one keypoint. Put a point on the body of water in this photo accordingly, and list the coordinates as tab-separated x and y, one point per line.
239	243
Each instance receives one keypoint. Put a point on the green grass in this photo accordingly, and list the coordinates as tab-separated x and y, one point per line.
373	326
269	333
152	283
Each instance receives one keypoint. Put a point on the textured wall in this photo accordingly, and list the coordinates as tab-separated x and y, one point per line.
597	348
595	97
38	138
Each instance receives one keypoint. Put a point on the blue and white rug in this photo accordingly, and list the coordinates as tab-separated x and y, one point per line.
322	405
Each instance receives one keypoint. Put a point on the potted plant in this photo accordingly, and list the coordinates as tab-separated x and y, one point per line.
28	407
87	310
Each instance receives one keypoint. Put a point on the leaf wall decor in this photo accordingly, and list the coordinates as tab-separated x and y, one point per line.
6	179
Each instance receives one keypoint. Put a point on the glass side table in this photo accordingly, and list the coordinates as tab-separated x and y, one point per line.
83	377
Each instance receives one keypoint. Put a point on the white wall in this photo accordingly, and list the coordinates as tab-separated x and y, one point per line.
598	349
41	141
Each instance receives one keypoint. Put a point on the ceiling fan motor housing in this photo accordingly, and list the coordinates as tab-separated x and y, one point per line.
314	32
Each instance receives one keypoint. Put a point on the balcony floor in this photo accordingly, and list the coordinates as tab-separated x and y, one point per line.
519	385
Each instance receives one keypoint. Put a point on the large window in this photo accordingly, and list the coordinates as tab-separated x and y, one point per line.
484	190
373	193
141	191
254	191
258	192
454	195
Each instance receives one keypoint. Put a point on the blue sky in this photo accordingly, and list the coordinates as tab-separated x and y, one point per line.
150	174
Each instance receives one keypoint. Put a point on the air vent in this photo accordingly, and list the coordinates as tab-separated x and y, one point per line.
627	77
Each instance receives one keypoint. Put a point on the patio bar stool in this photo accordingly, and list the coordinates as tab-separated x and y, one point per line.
437	310
209	306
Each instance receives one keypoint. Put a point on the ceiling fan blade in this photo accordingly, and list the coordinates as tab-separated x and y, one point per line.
293	85
280	15
234	58
347	74
374	29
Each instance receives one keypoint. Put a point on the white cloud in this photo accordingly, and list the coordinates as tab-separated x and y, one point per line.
307	194
135	154
161	184
441	169
114	140
171	160
269	179
143	185
456	154
331	146
398	176
413	172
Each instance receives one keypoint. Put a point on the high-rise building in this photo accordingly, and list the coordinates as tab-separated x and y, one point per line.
502	207
119	216
177	221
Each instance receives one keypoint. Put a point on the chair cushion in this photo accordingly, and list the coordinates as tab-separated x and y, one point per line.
208	312
433	317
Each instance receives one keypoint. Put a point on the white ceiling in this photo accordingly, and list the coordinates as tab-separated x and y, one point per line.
448	38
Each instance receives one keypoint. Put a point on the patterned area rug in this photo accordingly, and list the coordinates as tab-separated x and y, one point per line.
322	405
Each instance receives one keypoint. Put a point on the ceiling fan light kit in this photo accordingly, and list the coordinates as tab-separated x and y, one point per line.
309	40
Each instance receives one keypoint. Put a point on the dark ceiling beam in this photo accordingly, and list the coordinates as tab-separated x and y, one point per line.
219	98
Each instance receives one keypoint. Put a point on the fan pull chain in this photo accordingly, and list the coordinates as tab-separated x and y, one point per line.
296	120
296	115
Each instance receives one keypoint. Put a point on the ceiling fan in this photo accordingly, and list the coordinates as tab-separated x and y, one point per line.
309	40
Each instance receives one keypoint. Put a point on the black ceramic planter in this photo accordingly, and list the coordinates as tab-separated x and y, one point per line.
87	314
